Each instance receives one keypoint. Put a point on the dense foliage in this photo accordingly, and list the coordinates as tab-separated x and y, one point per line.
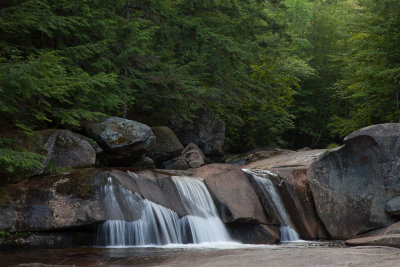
281	73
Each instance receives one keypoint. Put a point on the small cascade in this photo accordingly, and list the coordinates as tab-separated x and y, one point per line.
135	221
267	187
205	224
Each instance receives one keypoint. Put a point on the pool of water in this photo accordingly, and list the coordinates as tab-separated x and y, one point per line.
138	256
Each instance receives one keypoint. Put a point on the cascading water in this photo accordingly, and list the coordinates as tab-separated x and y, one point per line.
158	225
205	224
267	187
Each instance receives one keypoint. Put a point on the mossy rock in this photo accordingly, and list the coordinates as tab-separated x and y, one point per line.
79	184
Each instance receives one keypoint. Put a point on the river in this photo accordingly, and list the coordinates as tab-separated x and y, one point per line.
219	254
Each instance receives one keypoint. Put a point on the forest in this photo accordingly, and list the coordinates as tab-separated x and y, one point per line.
280	73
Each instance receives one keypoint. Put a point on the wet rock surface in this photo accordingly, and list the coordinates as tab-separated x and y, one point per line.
254	233
289	169
233	193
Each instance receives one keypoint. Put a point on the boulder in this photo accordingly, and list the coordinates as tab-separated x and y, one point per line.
254	233
52	202
122	140
352	184
62	149
232	192
393	206
144	163
206	132
193	156
176	164
166	145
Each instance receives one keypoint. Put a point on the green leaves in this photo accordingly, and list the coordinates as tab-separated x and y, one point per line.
369	84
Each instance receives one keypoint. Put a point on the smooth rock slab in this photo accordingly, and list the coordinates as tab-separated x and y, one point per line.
380	240
232	192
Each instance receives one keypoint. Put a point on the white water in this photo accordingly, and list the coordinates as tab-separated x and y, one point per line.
288	234
205	224
158	225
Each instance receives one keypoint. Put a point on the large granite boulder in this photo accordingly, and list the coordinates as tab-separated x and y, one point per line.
352	184
51	202
166	145
62	149
122	140
233	193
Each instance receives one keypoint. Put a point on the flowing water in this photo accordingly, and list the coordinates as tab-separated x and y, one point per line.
268	189
205	224
158	225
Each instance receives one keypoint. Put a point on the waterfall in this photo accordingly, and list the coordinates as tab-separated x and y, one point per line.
268	189
205	224
135	221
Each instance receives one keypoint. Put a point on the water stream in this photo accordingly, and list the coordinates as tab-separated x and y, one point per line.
288	233
158	225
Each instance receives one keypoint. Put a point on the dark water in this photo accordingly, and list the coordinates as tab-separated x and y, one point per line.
87	257
134	256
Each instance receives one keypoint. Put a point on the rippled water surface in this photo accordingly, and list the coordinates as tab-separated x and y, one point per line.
138	256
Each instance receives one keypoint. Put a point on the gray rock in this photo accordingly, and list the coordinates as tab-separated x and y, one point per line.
206	132
193	156
144	163
254	233
176	164
393	206
166	145
64	149
352	184
76	199
380	240
122	140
